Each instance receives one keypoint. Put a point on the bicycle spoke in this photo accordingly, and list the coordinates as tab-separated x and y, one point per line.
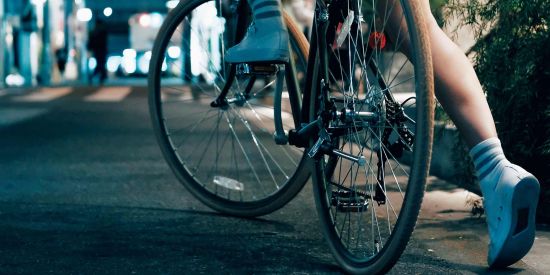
242	148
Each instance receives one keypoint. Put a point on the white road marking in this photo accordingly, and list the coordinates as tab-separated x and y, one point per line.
178	93
44	95
10	116
109	94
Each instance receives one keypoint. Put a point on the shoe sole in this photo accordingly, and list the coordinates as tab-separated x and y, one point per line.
261	56
521	233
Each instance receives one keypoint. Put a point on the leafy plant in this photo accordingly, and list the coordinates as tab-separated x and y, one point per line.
512	60
437	10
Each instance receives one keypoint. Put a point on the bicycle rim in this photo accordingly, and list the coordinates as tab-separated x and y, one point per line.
225	155
380	109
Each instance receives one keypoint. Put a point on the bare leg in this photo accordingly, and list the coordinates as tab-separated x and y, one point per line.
503	184
456	84
457	87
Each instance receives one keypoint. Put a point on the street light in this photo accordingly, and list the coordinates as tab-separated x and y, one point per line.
84	14
172	4
108	11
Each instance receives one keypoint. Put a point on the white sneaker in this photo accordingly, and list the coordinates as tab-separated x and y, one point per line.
510	206
266	40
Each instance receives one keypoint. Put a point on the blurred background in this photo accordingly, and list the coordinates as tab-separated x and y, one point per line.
57	42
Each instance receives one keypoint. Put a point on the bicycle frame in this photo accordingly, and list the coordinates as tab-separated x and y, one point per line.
317	74
353	126
318	79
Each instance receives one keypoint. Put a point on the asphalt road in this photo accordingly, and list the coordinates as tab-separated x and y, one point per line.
85	190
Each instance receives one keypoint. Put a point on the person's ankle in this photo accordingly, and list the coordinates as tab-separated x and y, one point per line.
488	158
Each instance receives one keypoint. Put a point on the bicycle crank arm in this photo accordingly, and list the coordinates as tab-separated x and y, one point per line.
300	137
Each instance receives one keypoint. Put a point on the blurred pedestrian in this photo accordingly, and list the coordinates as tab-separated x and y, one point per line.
61	60
97	44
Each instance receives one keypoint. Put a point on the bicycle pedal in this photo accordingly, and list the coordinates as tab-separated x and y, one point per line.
265	69
349	201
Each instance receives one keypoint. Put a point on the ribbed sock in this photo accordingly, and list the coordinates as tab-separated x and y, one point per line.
265	9
489	159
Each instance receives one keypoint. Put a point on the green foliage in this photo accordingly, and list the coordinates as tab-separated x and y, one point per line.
437	10
513	64
464	167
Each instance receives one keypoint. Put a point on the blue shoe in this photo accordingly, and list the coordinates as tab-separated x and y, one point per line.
266	39
510	206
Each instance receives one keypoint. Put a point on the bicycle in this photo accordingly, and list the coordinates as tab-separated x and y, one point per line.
345	121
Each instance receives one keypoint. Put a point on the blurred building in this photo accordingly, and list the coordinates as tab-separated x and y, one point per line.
32	32
44	42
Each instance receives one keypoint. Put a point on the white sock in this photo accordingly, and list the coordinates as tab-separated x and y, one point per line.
489	159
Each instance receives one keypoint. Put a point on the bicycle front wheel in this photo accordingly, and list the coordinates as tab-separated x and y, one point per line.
214	123
375	99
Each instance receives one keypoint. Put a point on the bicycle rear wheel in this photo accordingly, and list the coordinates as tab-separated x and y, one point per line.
221	148
376	108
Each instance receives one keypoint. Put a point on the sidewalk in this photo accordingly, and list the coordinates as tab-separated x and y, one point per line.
448	229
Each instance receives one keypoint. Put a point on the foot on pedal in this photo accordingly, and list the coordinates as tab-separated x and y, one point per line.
266	39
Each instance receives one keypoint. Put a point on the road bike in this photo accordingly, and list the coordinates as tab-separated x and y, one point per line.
353	109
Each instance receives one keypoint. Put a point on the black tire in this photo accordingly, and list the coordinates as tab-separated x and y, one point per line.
225	156
368	214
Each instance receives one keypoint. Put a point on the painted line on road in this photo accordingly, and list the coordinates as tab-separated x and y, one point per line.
10	116
109	94
44	95
176	93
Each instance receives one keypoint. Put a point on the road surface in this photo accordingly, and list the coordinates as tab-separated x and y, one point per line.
84	189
